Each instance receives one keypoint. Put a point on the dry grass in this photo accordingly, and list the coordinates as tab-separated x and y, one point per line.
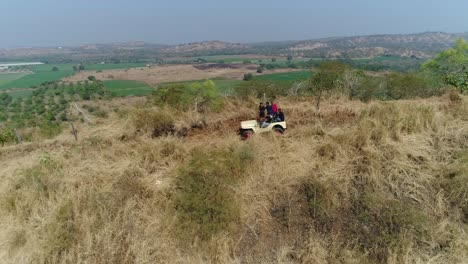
353	183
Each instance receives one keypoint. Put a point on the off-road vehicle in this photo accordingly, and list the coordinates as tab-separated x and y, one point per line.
247	128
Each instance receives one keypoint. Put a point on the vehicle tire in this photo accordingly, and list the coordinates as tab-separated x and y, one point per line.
246	134
278	130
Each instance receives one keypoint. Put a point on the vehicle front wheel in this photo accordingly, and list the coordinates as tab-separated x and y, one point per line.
246	134
278	130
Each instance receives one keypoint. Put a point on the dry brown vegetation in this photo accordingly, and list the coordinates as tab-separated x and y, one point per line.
171	73
383	182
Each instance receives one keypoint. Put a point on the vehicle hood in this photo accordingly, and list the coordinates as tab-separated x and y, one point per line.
248	124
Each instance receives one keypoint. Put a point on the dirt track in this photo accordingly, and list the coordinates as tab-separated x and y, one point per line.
171	73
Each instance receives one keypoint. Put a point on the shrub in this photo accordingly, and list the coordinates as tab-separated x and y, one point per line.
204	200
198	96
155	123
248	77
407	85
49	130
6	136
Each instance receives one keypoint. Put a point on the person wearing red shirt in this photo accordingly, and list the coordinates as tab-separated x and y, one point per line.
274	108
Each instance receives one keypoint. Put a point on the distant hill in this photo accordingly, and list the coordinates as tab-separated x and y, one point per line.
205	46
422	45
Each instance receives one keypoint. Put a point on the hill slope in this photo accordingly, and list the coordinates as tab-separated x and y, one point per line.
421	45
383	182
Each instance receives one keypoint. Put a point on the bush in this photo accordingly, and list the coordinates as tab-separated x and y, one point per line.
248	77
408	85
154	123
6	136
49	130
198	96
204	200
369	88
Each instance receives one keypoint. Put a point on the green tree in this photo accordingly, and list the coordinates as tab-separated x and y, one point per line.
451	65
81	67
55	68
197	96
329	77
204	95
289	58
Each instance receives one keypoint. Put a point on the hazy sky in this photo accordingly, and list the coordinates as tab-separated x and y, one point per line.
71	22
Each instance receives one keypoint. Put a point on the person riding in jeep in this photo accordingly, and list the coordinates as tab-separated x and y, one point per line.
280	116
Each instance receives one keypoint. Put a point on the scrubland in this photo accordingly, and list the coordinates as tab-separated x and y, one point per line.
377	182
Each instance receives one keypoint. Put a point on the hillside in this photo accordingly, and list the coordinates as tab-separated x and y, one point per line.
205	46
422	45
378	182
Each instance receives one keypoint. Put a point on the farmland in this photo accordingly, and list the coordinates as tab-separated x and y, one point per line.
121	88
226	86
44	73
9	77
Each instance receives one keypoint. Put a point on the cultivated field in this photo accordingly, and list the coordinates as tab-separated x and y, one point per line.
173	73
44	73
126	88
6	78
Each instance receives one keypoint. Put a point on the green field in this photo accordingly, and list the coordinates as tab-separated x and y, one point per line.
122	88
36	79
43	73
226	85
7	78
